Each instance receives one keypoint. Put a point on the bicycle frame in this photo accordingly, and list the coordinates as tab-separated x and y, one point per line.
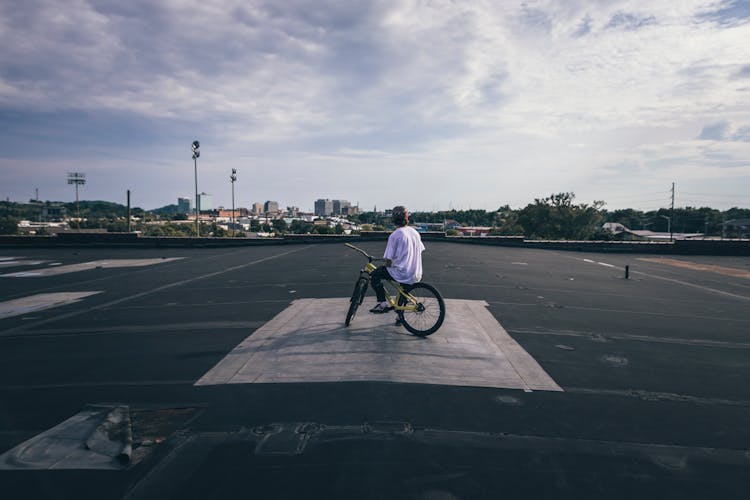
411	303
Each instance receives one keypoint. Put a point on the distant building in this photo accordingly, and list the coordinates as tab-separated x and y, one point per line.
183	205
738	227
53	212
292	211
257	208
224	213
621	232
350	210
323	208
474	230
205	203
339	206
271	207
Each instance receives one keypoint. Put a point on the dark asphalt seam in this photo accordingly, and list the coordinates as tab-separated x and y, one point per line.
114	383
147	292
603	337
210	304
623	311
182	328
567	291
657	396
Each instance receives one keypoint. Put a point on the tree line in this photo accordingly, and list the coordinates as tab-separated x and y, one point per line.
557	216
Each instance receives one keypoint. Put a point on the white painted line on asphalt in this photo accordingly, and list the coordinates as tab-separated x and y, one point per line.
307	342
605	264
84	266
680	282
693	285
40	302
21	262
29	326
589	260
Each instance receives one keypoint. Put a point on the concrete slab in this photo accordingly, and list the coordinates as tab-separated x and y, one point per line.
40	301
308	342
85	266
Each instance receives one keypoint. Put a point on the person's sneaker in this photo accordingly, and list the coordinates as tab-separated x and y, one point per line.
380	309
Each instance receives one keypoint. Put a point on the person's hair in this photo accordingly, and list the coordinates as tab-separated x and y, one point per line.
399	215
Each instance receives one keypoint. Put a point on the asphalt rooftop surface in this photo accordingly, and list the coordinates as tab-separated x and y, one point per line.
654	371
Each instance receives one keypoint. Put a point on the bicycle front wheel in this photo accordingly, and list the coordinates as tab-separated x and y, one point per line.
360	289
425	314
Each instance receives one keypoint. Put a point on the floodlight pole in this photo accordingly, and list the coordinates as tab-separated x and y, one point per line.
233	178
197	227
196	153
77	178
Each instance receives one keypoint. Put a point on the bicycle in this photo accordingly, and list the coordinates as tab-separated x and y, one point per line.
420	307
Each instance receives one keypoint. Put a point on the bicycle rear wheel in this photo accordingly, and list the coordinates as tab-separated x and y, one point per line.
429	311
358	295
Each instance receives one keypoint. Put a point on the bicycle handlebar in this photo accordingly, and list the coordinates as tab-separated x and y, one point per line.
369	257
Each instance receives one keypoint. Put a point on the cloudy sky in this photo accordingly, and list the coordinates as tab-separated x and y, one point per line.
431	104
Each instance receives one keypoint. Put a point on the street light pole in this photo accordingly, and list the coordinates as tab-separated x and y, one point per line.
669	225
196	153
233	178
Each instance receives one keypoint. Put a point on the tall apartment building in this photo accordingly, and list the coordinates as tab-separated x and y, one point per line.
323	208
271	207
340	207
257	208
205	202
183	205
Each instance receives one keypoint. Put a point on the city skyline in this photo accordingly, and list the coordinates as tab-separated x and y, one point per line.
430	105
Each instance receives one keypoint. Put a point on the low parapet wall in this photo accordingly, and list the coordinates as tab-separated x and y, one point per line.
679	247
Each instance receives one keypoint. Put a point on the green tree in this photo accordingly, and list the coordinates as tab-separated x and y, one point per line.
8	225
319	229
556	217
280	225
300	227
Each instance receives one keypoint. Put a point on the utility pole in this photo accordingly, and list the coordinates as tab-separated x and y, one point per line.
671	215
128	210
196	153
233	178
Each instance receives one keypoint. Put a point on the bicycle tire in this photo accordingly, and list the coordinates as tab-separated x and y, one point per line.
426	321
358	295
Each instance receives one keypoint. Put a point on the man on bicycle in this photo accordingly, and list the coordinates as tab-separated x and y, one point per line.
403	258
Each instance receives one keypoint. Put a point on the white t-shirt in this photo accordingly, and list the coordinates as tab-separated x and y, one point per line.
405	248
